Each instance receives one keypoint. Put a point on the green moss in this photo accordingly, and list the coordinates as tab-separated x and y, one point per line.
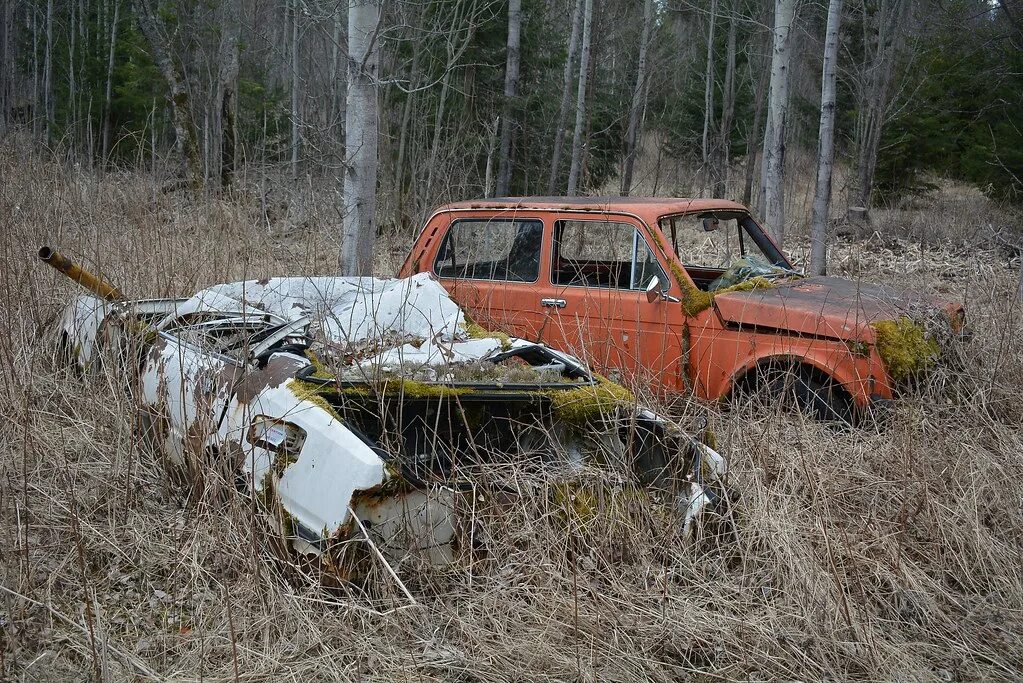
585	404
904	347
413	389
314	393
477	331
319	369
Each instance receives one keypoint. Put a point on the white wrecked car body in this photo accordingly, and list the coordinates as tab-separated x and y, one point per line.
347	403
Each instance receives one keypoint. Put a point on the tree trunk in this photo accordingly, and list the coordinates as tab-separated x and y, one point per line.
6	74
563	111
296	140
825	144
708	87
48	72
438	127
575	169
751	137
107	95
335	69
151	25
873	97
511	89
566	98
773	172
360	178
403	135
638	101
228	95
724	143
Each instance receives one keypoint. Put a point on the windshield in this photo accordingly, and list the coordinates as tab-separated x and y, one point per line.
723	248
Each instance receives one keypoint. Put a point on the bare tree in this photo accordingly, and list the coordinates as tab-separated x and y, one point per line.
708	87
151	25
882	31
566	98
48	72
511	89
228	97
825	144
575	170
108	94
773	168
727	111
638	100
296	132
360	176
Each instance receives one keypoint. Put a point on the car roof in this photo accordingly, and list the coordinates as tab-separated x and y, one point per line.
648	208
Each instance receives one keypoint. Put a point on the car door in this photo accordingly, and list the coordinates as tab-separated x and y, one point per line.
599	270
491	266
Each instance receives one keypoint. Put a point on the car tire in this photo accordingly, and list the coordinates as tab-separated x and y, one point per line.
808	391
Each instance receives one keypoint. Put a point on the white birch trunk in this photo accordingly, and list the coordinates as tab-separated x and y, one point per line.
825	144
638	101
566	98
511	89
360	178
575	170
773	167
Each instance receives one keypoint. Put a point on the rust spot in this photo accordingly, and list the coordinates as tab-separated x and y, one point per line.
279	370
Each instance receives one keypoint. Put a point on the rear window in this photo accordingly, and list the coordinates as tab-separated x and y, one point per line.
601	254
491	249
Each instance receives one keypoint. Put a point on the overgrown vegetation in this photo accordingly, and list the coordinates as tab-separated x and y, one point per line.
890	551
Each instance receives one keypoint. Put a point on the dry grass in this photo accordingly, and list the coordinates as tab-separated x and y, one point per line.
890	552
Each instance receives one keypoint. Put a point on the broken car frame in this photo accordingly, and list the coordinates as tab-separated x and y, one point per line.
359	409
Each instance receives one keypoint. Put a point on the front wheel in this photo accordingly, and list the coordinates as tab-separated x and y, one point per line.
808	391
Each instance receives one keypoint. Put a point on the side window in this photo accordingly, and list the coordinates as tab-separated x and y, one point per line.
602	254
491	249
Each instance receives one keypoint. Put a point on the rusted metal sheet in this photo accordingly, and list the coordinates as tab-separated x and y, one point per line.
355	407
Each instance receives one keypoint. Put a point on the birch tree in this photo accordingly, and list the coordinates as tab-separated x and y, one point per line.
638	100
360	176
825	144
575	169
773	168
511	88
566	98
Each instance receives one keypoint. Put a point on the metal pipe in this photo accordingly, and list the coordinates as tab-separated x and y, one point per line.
92	282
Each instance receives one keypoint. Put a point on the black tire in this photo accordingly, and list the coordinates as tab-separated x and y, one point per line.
808	391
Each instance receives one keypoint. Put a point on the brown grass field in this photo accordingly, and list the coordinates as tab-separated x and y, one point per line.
893	551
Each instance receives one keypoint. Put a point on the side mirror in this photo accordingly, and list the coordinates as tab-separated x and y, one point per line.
653	290
710	224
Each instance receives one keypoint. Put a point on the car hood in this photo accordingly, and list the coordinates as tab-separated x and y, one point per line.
825	307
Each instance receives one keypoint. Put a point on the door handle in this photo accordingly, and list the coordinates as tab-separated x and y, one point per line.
553	303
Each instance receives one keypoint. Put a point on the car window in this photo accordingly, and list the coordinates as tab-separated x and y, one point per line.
602	254
491	249
712	240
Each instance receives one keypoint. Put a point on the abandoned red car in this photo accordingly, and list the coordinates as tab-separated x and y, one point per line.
683	294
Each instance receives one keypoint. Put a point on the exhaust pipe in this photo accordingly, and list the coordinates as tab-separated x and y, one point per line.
92	282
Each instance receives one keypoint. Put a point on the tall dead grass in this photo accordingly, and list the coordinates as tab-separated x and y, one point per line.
888	552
